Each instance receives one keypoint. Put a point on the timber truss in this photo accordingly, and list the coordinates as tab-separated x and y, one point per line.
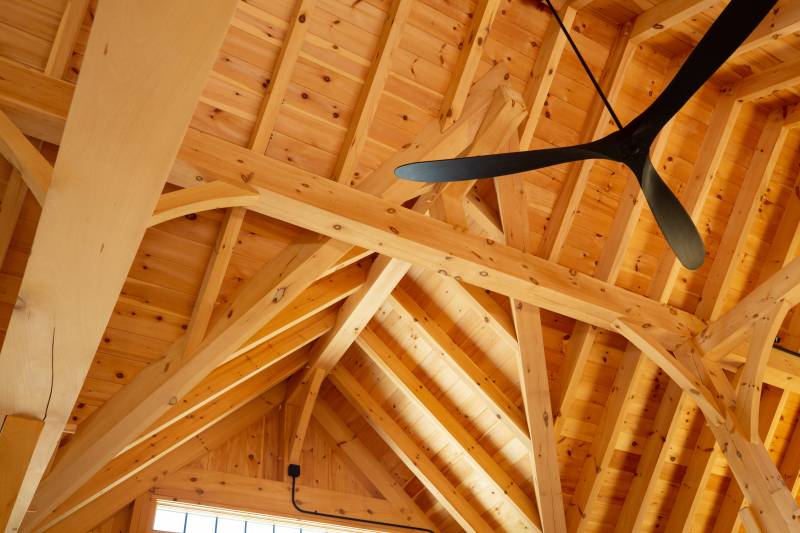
273	345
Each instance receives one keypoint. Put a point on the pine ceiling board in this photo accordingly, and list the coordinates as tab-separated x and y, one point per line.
34	19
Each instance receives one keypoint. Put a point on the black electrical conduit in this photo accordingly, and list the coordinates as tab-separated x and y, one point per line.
294	473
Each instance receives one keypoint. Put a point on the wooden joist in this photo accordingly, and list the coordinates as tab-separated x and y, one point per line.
405	380
133	133
664	16
281	75
772	405
782	76
407	450
596	124
212	279
731	247
543	73
370	94
632	365
463	365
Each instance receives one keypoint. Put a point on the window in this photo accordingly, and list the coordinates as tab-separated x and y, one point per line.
172	517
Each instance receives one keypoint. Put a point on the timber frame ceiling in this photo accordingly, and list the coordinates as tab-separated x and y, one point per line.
517	355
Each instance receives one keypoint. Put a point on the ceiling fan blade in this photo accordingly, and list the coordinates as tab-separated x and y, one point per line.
490	166
675	223
726	34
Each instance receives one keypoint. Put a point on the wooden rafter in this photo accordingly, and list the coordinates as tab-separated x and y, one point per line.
543	73
363	458
368	99
35	170
353	316
468	60
405	380
531	363
407	450
212	280
282	74
771	412
471	374
97	263
631	367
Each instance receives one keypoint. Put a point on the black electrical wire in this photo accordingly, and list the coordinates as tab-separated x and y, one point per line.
786	350
585	66
294	473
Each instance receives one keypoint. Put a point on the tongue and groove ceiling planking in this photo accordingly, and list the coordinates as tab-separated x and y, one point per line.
340	83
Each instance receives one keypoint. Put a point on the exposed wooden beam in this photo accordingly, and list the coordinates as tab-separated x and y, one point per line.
612	420
744	212
471	374
781	21
781	76
720	127
18	438
328	207
503	116
10	208
648	469
412	455
35	102
704	382
367	105
143	514
353	316
543	73
405	380
267	497
66	36
133	133
773	402
468	60
724	334
205	197
282	74
35	170
212	279
748	394
349	443
666	15
531	362
56	66
206	441
151	393
244	368
140	403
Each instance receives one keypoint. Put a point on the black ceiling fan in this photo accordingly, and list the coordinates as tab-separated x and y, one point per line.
629	145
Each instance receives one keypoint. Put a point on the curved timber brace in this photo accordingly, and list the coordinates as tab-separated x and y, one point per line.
729	413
